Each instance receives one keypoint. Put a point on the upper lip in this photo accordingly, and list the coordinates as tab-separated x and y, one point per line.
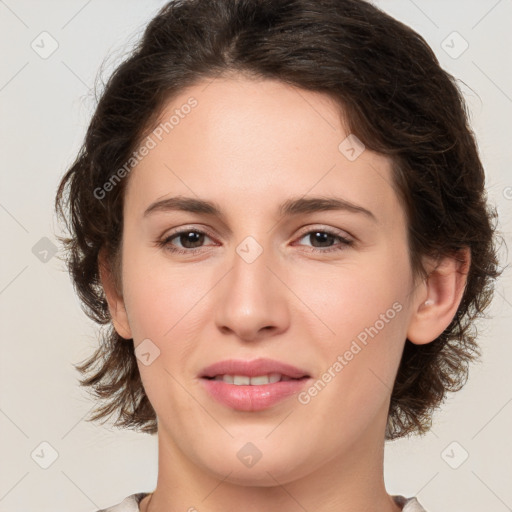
252	368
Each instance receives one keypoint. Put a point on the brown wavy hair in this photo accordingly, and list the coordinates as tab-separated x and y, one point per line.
394	97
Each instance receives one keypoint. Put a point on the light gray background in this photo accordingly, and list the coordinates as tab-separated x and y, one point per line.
45	105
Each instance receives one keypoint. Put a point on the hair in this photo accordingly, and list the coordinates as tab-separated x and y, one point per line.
394	97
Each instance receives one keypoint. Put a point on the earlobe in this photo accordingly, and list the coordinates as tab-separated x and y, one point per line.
437	304
114	298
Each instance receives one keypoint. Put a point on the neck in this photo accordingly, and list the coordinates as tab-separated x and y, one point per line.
352	481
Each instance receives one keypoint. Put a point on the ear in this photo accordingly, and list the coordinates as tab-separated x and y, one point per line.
114	297
438	299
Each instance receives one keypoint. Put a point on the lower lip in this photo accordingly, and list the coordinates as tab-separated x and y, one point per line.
252	398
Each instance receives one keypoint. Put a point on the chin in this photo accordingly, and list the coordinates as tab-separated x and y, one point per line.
256	467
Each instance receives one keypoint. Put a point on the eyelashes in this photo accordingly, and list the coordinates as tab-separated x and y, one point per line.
199	235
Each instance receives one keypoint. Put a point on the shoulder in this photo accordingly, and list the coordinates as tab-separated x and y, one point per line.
129	504
408	504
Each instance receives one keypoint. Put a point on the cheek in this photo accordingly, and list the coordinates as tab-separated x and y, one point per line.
359	360
160	297
345	298
361	315
163	304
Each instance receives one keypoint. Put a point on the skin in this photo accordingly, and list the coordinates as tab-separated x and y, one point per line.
248	146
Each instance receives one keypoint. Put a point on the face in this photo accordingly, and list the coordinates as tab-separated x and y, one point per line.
328	291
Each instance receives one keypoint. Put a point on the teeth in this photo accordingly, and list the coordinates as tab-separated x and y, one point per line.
244	380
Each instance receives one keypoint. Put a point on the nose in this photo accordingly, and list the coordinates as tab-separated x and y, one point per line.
253	299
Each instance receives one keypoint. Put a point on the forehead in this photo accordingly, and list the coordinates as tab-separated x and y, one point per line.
253	144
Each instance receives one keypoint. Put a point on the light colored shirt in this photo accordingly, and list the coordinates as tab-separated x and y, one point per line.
131	504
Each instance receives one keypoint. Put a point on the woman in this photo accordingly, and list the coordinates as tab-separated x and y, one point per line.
279	211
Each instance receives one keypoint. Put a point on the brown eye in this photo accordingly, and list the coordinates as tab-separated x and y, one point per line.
189	240
322	240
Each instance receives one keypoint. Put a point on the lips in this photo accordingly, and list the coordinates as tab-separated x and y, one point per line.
253	368
252	386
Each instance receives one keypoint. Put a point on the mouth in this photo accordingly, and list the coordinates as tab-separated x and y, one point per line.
255	393
258	371
252	385
258	380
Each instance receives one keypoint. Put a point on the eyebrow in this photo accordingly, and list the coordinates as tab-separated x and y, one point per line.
291	207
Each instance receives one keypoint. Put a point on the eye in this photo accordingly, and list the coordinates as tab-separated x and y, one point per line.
191	240
323	239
